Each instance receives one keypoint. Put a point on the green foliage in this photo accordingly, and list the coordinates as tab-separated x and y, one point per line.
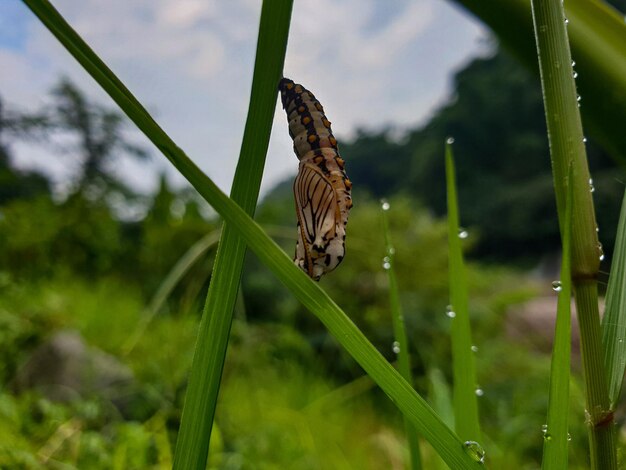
497	120
465	400
269	361
613	322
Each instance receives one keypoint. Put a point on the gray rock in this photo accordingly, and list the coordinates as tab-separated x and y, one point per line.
65	368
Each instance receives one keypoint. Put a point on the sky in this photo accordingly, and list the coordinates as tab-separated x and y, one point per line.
372	64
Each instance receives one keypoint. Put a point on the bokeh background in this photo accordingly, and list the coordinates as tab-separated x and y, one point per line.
106	254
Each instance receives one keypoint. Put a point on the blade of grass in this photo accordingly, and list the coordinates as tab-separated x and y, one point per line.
598	39
173	277
456	454
567	149
401	344
210	353
555	436
614	320
464	368
441	400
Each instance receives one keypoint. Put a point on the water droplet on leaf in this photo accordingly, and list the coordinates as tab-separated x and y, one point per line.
450	313
475	451
556	286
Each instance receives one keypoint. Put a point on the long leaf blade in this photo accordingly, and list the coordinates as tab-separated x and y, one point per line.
401	343
463	363
614	320
556	435
210	352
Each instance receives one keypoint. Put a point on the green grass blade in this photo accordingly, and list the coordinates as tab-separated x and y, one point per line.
210	352
567	150
171	280
401	343
463	364
614	321
456	454
598	38
555	436
441	400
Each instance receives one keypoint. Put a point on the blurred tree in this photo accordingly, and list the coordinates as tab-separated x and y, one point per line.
16	184
503	165
98	135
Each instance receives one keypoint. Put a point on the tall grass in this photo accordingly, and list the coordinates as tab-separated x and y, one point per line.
401	344
208	362
463	363
555	433
603	362
455	452
567	150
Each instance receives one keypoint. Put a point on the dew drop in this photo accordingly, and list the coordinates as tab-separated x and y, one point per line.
386	263
384	204
597	229
575	75
591	186
556	286
578	98
479	392
450	313
391	250
474	348
566	21
544	429
463	233
569	437
584	140
600	251
450	140
573	63
475	451
395	347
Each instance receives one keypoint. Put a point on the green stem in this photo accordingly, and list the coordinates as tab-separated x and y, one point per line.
208	362
567	149
401	344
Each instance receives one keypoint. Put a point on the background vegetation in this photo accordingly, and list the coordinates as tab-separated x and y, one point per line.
83	262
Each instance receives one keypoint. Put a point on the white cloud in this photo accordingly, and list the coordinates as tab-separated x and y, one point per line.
190	62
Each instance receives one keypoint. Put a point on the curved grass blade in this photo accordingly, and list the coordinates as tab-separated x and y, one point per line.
401	343
455	453
171	280
463	364
614	320
555	435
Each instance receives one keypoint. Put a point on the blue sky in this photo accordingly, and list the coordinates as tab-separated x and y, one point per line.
372	63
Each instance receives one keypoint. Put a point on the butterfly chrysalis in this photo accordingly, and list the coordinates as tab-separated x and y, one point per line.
321	188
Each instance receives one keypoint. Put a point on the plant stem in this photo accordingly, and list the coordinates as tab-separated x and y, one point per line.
210	353
401	345
464	398
567	148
